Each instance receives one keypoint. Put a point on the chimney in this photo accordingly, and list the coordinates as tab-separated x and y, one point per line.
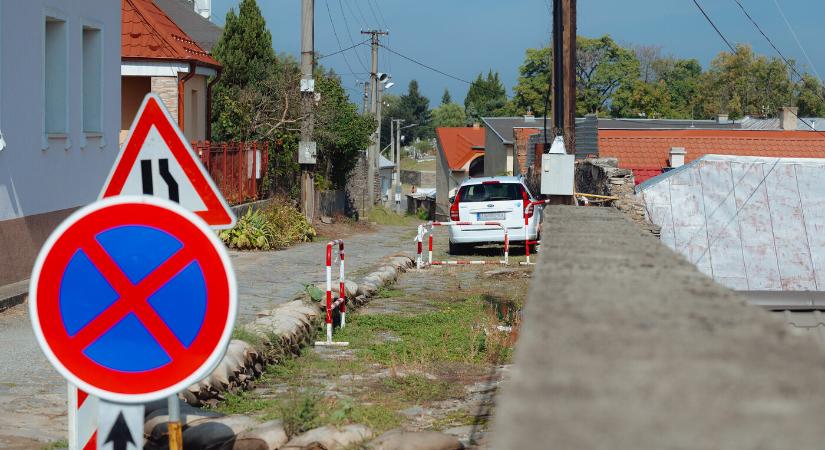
529	117
677	157
204	8
787	118
722	119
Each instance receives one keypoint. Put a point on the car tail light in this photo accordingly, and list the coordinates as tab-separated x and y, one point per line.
528	208
490	182
454	208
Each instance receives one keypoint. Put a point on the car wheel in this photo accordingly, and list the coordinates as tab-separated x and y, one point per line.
455	249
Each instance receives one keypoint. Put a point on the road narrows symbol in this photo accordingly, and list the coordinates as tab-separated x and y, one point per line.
133	298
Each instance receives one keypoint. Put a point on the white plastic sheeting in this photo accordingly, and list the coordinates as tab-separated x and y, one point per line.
751	223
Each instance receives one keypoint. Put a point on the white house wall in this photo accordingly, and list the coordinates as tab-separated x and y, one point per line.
750	223
39	174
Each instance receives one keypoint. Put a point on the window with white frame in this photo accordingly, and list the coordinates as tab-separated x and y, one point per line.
92	88
55	76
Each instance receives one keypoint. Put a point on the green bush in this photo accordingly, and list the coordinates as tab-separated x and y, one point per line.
277	226
422	213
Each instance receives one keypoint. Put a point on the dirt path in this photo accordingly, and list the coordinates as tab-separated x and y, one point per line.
426	354
33	394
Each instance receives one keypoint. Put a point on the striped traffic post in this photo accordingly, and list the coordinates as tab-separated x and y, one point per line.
341	303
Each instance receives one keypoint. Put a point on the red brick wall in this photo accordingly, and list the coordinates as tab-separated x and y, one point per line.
521	137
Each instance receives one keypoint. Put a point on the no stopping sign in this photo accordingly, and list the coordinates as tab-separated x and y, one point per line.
133	299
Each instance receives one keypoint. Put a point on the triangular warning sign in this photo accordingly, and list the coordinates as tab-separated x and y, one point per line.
157	160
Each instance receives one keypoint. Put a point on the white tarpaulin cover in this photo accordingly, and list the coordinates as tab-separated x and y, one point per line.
751	223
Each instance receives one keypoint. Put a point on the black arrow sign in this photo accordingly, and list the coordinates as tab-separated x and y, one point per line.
120	436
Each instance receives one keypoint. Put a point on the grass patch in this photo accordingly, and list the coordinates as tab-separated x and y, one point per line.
247	336
411	164
62	443
383	216
244	403
385	292
457	419
417	388
456	332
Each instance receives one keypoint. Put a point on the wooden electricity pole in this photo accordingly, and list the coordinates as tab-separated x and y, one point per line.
564	72
307	145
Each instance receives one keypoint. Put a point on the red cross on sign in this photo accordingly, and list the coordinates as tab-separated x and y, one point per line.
133	299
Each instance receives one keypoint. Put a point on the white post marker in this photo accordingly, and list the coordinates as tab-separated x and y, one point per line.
83	409
121	426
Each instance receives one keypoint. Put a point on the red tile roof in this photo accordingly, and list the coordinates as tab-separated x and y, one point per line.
148	33
646	152
460	145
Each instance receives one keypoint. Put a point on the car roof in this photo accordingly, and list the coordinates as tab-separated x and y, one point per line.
508	179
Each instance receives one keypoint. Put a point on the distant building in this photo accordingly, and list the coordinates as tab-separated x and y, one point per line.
651	152
193	17
158	56
753	224
59	117
460	154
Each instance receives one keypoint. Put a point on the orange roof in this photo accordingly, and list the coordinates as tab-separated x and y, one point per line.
148	33
460	145
651	148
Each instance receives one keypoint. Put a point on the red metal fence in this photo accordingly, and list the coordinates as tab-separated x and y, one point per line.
238	168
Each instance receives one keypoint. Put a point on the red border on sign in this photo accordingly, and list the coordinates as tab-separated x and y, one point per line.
197	246
152	114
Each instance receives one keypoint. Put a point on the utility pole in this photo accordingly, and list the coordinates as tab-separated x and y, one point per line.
564	72
372	152
366	96
307	147
397	186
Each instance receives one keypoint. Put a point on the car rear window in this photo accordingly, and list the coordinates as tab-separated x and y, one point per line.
490	192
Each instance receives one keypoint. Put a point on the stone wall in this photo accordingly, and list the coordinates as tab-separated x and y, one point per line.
357	187
604	177
167	90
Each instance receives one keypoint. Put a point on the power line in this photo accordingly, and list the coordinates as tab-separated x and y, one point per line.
412	60
335	32
787	63
349	34
380	13
696	2
796	38
375	16
343	50
363	17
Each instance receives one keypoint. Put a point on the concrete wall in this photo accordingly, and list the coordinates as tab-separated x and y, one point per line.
42	177
498	157
195	108
132	92
625	345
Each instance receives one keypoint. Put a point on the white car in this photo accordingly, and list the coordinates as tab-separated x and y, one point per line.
502	199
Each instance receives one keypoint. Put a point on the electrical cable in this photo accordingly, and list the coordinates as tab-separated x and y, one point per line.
335	32
344	49
375	16
796	38
732	48
349	34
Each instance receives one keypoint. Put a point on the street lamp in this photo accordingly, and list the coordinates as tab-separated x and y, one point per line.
396	190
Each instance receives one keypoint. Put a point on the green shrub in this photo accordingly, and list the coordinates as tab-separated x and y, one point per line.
277	226
422	213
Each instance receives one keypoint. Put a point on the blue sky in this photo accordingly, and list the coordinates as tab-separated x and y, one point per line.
465	37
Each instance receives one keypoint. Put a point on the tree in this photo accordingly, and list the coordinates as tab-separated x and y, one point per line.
641	99
647	55
682	79
602	67
486	97
809	97
445	99
245	52
745	84
340	131
415	109
449	115
534	81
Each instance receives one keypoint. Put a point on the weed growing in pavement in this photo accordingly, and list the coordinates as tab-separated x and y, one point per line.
62	443
416	388
385	292
243	403
300	413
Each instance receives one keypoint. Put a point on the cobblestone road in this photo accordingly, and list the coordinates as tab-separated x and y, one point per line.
33	395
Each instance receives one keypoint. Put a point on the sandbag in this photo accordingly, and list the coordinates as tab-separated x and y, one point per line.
213	434
331	438
266	436
415	440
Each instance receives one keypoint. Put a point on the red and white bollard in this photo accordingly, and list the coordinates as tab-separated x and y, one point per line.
428	230
527	240
341	303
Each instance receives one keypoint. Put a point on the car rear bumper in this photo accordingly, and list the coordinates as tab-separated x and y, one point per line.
469	234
